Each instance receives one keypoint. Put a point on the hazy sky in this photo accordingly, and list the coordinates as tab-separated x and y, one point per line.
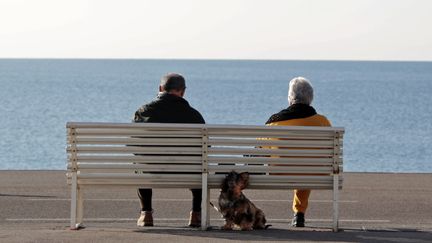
222	29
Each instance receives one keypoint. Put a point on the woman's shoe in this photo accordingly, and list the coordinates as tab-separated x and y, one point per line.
298	220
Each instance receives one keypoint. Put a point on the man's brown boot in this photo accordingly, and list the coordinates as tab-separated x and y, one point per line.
195	219
145	219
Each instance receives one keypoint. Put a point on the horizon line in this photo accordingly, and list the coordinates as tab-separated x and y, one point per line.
209	59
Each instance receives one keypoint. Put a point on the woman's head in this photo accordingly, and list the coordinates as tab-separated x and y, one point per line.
300	91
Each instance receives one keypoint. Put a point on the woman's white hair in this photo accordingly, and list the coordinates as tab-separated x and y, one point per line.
300	91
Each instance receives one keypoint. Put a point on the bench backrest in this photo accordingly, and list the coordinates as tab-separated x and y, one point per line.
176	155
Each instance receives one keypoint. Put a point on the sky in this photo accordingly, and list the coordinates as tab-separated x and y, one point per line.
223	29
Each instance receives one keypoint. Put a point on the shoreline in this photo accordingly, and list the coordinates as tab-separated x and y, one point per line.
207	59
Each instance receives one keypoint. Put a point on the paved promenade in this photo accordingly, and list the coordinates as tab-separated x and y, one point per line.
374	207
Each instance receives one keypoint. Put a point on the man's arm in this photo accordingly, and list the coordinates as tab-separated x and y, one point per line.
198	118
142	115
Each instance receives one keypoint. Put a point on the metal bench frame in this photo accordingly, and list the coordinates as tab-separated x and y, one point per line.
123	154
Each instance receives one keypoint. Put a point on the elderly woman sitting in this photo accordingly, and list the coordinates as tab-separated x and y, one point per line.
299	113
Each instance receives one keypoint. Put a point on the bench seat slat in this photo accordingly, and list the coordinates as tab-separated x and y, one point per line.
266	160
138	159
198	159
138	171
258	178
165	126
156	162
310	143
273	169
183	176
137	141
198	169
274	152
139	166
136	132
197	185
156	183
274	137
264	133
133	149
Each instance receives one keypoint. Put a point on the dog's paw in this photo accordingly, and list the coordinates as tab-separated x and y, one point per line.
247	228
227	227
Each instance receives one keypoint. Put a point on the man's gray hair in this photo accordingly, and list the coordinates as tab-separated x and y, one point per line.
300	91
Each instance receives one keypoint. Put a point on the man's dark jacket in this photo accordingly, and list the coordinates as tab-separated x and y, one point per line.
168	108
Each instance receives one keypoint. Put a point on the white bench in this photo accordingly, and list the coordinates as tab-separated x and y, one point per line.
134	154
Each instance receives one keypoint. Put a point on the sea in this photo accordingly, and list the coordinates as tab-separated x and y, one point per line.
385	107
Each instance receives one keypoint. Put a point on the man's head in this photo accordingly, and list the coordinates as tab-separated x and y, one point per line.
300	91
173	83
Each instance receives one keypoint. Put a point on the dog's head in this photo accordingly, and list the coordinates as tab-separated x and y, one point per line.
235	182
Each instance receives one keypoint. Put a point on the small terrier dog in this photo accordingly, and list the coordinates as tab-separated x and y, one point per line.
238	211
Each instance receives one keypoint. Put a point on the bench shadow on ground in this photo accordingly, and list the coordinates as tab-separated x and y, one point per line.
25	195
307	234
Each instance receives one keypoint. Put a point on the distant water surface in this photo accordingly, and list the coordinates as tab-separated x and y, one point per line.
385	107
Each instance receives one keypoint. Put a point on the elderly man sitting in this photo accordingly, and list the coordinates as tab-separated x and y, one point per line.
299	113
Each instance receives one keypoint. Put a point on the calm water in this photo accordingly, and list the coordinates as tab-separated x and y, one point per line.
385	107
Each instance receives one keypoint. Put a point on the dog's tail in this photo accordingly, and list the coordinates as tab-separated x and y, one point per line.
217	209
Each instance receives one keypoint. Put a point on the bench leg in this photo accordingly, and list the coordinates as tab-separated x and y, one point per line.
208	209
335	203
74	190
205	217
80	208
77	204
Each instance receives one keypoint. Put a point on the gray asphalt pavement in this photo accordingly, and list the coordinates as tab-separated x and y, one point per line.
374	207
